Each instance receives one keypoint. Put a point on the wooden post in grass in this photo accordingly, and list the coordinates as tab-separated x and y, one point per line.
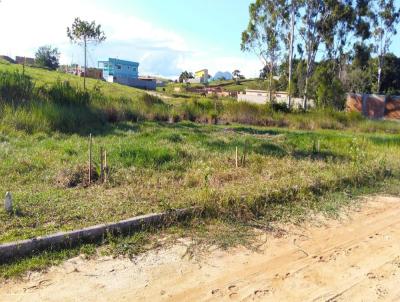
236	158
318	146
105	165
101	164
90	158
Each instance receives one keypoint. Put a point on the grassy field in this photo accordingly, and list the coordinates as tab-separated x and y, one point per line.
157	166
172	153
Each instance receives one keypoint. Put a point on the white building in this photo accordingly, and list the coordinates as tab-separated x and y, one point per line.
262	97
254	96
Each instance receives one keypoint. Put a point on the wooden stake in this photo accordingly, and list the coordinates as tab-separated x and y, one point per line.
101	164
236	158
105	165
90	158
318	146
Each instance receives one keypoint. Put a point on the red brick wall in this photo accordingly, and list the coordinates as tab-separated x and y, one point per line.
393	107
374	105
354	102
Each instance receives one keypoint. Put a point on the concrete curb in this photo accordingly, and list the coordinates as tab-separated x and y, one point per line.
24	248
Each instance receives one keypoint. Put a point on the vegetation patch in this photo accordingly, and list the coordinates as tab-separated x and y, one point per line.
76	176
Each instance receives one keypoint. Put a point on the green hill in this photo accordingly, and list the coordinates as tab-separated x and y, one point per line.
42	77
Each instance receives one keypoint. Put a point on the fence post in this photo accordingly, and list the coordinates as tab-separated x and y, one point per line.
236	157
101	164
105	165
90	158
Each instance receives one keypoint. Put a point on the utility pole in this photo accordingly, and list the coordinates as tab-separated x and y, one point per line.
84	71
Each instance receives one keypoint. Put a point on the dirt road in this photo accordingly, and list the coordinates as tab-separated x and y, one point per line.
355	259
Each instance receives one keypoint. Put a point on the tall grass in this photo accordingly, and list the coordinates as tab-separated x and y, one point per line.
65	94
61	106
15	87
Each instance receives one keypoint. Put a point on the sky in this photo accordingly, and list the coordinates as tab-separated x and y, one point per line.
165	36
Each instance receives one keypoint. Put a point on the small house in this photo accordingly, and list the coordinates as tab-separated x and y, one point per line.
200	76
125	73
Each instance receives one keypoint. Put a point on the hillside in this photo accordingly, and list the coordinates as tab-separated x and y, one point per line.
45	77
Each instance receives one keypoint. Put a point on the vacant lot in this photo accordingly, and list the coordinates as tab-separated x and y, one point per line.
170	153
154	167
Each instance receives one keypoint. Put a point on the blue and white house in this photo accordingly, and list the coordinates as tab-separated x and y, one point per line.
125	73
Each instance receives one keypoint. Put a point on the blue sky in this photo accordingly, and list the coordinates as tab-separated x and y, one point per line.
218	23
164	36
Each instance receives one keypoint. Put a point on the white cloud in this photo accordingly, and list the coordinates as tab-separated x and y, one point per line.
25	25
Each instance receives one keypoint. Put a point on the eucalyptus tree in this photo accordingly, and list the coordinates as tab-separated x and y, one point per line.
84	33
185	76
289	11
386	18
338	40
319	26
263	35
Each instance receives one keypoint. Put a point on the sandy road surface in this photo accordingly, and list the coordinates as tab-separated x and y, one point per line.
356	259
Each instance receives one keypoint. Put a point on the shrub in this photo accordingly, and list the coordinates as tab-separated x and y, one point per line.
280	107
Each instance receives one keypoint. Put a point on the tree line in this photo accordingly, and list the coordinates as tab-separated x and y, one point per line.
320	49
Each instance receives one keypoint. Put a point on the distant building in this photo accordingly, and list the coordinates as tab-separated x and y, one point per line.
254	96
125	73
200	76
262	97
75	69
94	73
120	71
24	60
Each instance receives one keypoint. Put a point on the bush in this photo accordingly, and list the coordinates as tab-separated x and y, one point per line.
280	107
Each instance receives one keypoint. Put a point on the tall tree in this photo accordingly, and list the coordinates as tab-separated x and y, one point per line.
288	10
47	56
387	16
293	6
320	21
263	35
84	33
185	76
236	75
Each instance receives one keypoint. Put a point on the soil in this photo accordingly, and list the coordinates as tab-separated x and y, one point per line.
355	258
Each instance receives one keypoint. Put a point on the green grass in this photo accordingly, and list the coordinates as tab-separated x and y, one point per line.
47	101
156	166
288	162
